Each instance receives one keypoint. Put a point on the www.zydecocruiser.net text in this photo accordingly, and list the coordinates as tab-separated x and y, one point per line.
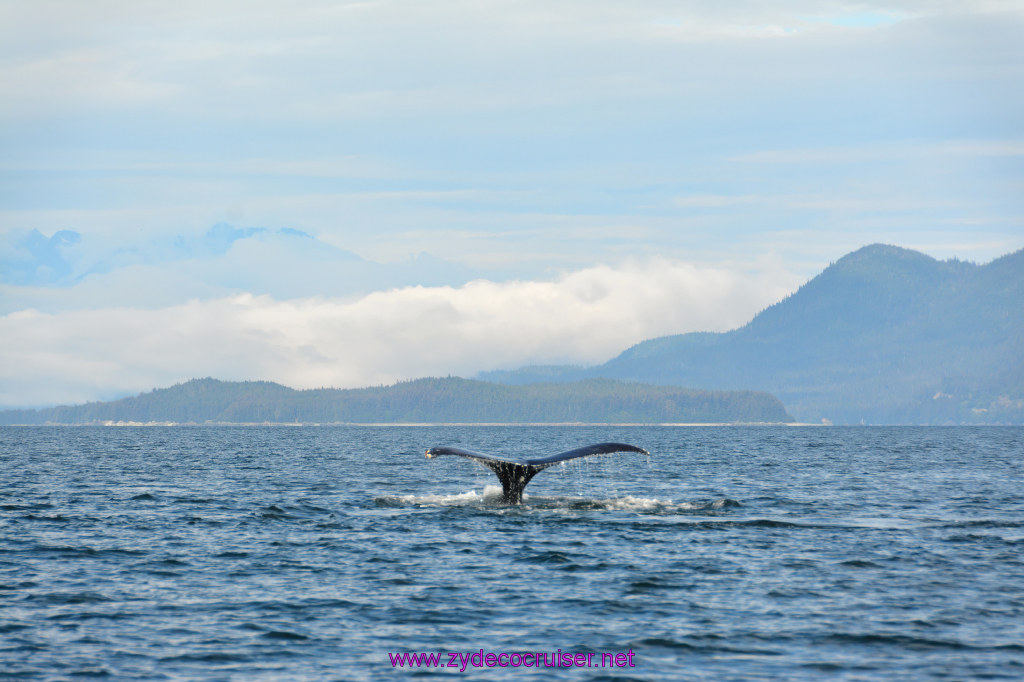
462	660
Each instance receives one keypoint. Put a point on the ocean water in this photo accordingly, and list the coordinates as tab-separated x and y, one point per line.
310	553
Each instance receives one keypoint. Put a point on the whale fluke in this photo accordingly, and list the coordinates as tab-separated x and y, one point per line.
515	474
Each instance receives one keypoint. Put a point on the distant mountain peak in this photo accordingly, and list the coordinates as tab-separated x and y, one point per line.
880	250
884	335
878	256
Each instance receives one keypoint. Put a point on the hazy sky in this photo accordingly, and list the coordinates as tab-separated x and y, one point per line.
350	193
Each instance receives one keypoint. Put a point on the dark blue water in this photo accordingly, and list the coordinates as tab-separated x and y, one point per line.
311	553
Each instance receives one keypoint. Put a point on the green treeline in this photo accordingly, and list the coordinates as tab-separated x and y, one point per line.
434	400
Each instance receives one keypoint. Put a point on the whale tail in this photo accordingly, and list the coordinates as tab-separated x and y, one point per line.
514	478
514	475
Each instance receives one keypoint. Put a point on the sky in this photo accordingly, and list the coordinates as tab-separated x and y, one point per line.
355	193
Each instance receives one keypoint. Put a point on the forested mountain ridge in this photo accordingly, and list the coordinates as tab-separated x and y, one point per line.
883	335
447	400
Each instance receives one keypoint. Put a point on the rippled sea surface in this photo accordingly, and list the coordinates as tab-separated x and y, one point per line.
313	552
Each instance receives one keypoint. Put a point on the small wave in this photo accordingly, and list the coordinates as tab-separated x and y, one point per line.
69	598
918	643
92	615
985	538
702	645
652	584
65	551
25	507
207	657
283	634
18	586
665	643
273	512
859	563
981	523
59	518
773	523
549	557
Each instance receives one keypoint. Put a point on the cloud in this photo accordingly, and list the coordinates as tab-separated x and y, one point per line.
67	271
715	201
944	150
325	60
369	121
585	316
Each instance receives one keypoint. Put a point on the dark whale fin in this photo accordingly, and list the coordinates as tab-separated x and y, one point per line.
514	475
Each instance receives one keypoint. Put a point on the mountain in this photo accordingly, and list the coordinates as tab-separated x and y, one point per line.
884	335
445	400
69	271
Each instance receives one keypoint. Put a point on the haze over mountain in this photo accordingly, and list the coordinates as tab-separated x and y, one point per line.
86	318
884	335
65	270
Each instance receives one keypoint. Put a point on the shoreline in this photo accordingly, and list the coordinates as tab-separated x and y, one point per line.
123	424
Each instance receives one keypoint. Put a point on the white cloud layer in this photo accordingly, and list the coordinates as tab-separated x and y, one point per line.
586	316
493	134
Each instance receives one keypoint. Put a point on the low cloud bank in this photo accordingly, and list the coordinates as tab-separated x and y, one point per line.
582	317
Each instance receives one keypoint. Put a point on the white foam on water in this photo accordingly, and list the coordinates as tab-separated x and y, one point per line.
629	502
467	497
646	504
491	495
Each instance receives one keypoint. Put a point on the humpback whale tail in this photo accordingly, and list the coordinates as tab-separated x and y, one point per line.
515	474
